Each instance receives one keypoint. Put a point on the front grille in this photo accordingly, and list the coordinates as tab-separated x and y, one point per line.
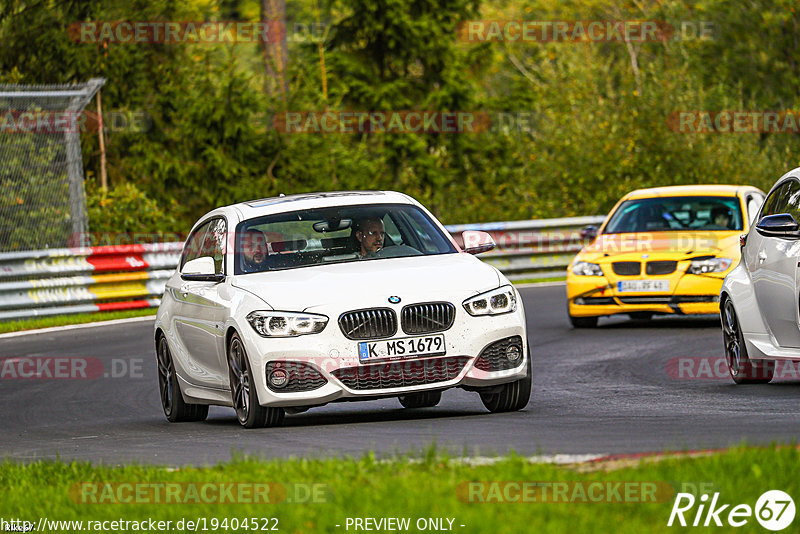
594	301
627	268
401	373
373	323
427	318
302	377
668	299
661	267
646	300
493	357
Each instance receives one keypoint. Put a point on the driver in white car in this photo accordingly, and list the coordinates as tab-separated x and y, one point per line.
370	234
254	251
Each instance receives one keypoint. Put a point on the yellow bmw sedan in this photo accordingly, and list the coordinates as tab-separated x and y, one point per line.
664	250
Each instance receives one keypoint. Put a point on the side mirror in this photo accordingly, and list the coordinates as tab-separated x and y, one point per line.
779	225
201	270
588	233
476	242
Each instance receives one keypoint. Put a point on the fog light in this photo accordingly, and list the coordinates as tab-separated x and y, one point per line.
513	353
278	378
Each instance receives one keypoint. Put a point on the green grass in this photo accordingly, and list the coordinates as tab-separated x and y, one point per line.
77	318
368	487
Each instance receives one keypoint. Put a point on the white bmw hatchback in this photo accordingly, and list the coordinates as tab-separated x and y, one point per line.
282	304
759	298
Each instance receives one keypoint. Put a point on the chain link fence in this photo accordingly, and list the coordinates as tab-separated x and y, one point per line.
42	201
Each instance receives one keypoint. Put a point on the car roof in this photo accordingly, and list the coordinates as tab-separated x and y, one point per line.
690	190
304	201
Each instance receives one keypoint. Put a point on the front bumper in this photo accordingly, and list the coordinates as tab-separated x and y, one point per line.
335	358
595	296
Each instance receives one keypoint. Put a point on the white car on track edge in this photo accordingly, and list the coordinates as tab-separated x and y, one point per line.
287	303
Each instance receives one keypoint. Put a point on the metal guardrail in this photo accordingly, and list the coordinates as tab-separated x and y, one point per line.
79	280
530	250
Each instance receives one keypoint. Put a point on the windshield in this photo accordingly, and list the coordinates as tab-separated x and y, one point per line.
336	235
675	214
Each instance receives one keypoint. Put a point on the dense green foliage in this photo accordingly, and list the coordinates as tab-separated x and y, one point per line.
599	109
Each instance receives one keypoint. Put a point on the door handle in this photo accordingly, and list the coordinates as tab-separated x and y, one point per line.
762	256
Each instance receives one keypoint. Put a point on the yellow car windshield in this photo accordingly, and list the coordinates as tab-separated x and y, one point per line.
676	214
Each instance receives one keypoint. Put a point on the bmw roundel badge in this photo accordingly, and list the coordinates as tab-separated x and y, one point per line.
394	299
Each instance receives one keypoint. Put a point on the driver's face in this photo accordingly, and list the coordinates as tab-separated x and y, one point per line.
722	220
371	236
254	247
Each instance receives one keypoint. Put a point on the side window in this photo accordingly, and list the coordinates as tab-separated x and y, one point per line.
775	202
214	244
194	245
793	200
754	203
207	240
391	230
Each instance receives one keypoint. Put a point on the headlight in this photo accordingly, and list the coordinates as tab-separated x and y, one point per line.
709	265
494	302
286	324
584	268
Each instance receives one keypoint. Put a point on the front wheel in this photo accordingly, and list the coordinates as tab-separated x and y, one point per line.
243	392
743	370
510	397
426	399
175	408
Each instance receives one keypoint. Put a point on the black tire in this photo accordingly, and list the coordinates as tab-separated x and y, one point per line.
175	408
743	370
243	394
426	399
583	322
510	397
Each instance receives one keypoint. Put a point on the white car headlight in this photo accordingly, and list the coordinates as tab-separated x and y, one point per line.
494	302
286	324
584	268
709	265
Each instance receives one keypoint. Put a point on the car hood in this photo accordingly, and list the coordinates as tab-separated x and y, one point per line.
662	245
370	283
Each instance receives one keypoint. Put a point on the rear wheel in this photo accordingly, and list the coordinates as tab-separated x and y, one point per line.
243	391
583	322
510	397
743	370
426	399
175	408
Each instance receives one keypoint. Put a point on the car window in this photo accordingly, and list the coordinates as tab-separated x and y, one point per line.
754	203
793	200
194	244
214	244
776	201
675	214
328	235
207	240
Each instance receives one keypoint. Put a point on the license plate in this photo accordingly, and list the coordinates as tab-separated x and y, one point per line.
406	347
643	285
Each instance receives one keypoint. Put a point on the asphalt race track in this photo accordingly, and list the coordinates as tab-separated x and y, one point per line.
625	387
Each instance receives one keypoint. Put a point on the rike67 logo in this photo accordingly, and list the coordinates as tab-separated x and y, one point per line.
774	510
